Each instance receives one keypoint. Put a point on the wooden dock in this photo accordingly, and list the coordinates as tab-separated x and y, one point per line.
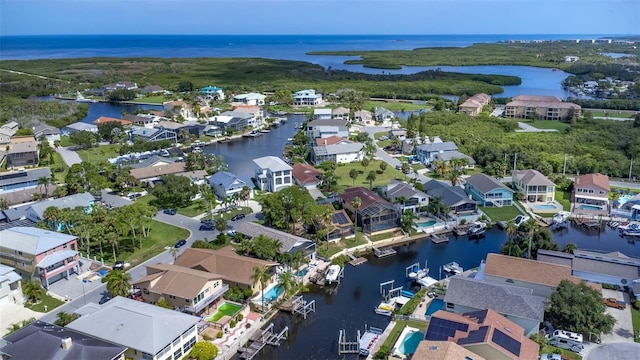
439	238
261	339
461	230
356	261
383	252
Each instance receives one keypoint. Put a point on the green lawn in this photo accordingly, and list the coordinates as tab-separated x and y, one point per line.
196	208
48	301
155	99
99	154
382	178
564	198
504	213
635	319
333	248
548	349
382	236
65	141
547	124
162	235
611	113
394	106
59	163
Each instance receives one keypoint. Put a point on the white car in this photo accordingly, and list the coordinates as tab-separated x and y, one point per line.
550	357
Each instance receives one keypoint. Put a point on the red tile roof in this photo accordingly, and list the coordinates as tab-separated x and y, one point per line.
597	179
305	174
331	140
105	119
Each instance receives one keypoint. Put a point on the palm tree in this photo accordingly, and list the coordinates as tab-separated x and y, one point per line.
33	290
286	280
245	246
114	240
441	167
454	177
371	177
118	283
64	318
532	226
260	275
364	162
4	203
174	251
353	174
511	229
44	181
245	193
356	202
383	166
570	248
406	221
51	216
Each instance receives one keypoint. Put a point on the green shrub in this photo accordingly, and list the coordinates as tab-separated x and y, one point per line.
206	337
240	317
232	323
219	335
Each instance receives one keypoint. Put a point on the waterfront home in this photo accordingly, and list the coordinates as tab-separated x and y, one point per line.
154	89
45	254
322	114
190	130
342	153
236	270
324	128
400	134
473	106
233	120
50	133
23	151
307	98
383	115
405	197
540	107
144	121
41	340
342	225
332	140
149	332
212	92
591	192
374	213
212	130
35	212
154	134
272	173
289	243
7	131
533	186
126	85
427	151
362	116
78	126
105	119
178	107
443	350
454	197
483	332
153	173
515	303
446	157
341	113
256	113
306	176
22	179
225	184
597	267
185	289
488	191
153	160
10	286
254	99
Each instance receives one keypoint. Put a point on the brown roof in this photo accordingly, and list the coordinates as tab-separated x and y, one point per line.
305	173
532	177
105	119
543	104
22	144
536	98
247	109
331	140
477	100
176	280
443	350
492	322
599	180
340	111
367	197
232	267
172	125
527	270
153	171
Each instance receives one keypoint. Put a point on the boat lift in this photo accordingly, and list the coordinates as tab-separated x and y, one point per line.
415	268
391	292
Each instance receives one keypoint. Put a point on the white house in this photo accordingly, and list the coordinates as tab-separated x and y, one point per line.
213	92
427	151
321	114
272	173
225	184
250	99
307	98
341	113
10	286
362	116
307	176
324	128
7	131
383	115
341	153
406	197
78	126
49	132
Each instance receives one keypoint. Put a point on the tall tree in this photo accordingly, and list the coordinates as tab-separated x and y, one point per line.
371	177
44	181
353	174
356	202
118	283
261	275
511	230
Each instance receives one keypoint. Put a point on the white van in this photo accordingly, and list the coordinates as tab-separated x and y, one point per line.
566	340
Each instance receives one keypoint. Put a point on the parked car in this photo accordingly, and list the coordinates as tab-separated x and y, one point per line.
383	138
104	299
180	243
119	265
231	232
237	217
614	303
169	211
207	221
207	227
550	357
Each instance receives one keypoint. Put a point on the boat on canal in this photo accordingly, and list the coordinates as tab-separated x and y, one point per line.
478	228
561	217
332	274
453	268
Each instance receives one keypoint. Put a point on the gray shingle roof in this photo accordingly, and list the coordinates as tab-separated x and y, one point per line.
272	163
612	264
532	177
485	183
327	122
287	240
32	240
450	155
403	189
223	178
450	195
337	149
504	299
438	146
71	201
17	177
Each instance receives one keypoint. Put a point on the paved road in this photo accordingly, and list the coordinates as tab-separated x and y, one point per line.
618	351
528	128
69	156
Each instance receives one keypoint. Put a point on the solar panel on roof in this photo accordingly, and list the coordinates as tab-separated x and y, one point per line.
506	342
442	330
476	336
340	218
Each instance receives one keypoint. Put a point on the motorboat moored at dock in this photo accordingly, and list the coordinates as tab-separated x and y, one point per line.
453	268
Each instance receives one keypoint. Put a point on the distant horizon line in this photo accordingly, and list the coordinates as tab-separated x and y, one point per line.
453	34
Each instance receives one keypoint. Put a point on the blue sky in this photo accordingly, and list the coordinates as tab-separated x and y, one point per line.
56	17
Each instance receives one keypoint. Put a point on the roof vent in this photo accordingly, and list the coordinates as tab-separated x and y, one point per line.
66	343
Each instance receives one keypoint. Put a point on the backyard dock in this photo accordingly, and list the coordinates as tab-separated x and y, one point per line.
261	339
356	261
439	238
461	230
383	252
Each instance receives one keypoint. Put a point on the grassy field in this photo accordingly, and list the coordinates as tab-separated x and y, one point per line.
564	198
48	301
635	319
162	236
155	99
382	236
611	113
99	154
65	141
382	178
504	213
548	349
327	250
196	208
59	163
547	124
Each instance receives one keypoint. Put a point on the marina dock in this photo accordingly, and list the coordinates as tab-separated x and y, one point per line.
461	230
383	252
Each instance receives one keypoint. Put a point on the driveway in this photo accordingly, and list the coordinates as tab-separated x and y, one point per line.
13	313
69	156
617	351
623	329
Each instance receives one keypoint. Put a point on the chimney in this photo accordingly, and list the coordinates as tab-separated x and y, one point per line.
66	343
325	141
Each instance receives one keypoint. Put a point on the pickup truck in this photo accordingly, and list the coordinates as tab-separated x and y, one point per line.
612	302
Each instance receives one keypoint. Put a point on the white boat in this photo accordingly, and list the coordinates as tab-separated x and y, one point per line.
417	275
520	220
332	273
453	268
384	309
477	228
561	217
80	98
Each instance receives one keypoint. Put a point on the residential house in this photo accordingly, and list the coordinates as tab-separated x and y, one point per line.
105	119
7	131
195	130
342	225
405	197
257	117
484	332
10	286
154	134
185	289
591	192
341	113
571	58
518	304
453	197
212	130
234	120
46	254
473	105
212	92
324	128
22	179
225	184
78	126
597	267
153	89
362	116
488	191
332	140
289	243
254	99
533	186
41	340
197	178
23	151
236	270
51	133
179	107
153	160
307	98
443	350
374	214
322	114
35	211
540	107
447	156
272	173
306	176
342	153
383	115
400	134
149	332
427	151
152	173
142	121
127	85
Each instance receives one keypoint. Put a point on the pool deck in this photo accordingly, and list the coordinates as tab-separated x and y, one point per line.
403	334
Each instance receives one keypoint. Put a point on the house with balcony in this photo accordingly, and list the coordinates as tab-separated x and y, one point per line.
45	254
306	176
307	98
533	186
324	128
152	134
50	133
212	92
473	106
454	197
22	179
185	289
23	151
591	193
488	191
427	150
540	107
405	197
257	116
178	107
253	99
272	173
341	113
233	120
383	115
10	286
225	184
374	213
341	153
149	332
322	114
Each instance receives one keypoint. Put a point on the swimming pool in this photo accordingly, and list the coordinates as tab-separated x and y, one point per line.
303	272
409	341
270	294
434	305
229	309
623	199
544	207
426	223
589	207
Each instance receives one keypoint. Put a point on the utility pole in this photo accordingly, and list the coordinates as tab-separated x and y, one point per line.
564	167
630	169
515	160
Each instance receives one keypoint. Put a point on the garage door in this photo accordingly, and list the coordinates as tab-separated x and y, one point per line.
4	300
